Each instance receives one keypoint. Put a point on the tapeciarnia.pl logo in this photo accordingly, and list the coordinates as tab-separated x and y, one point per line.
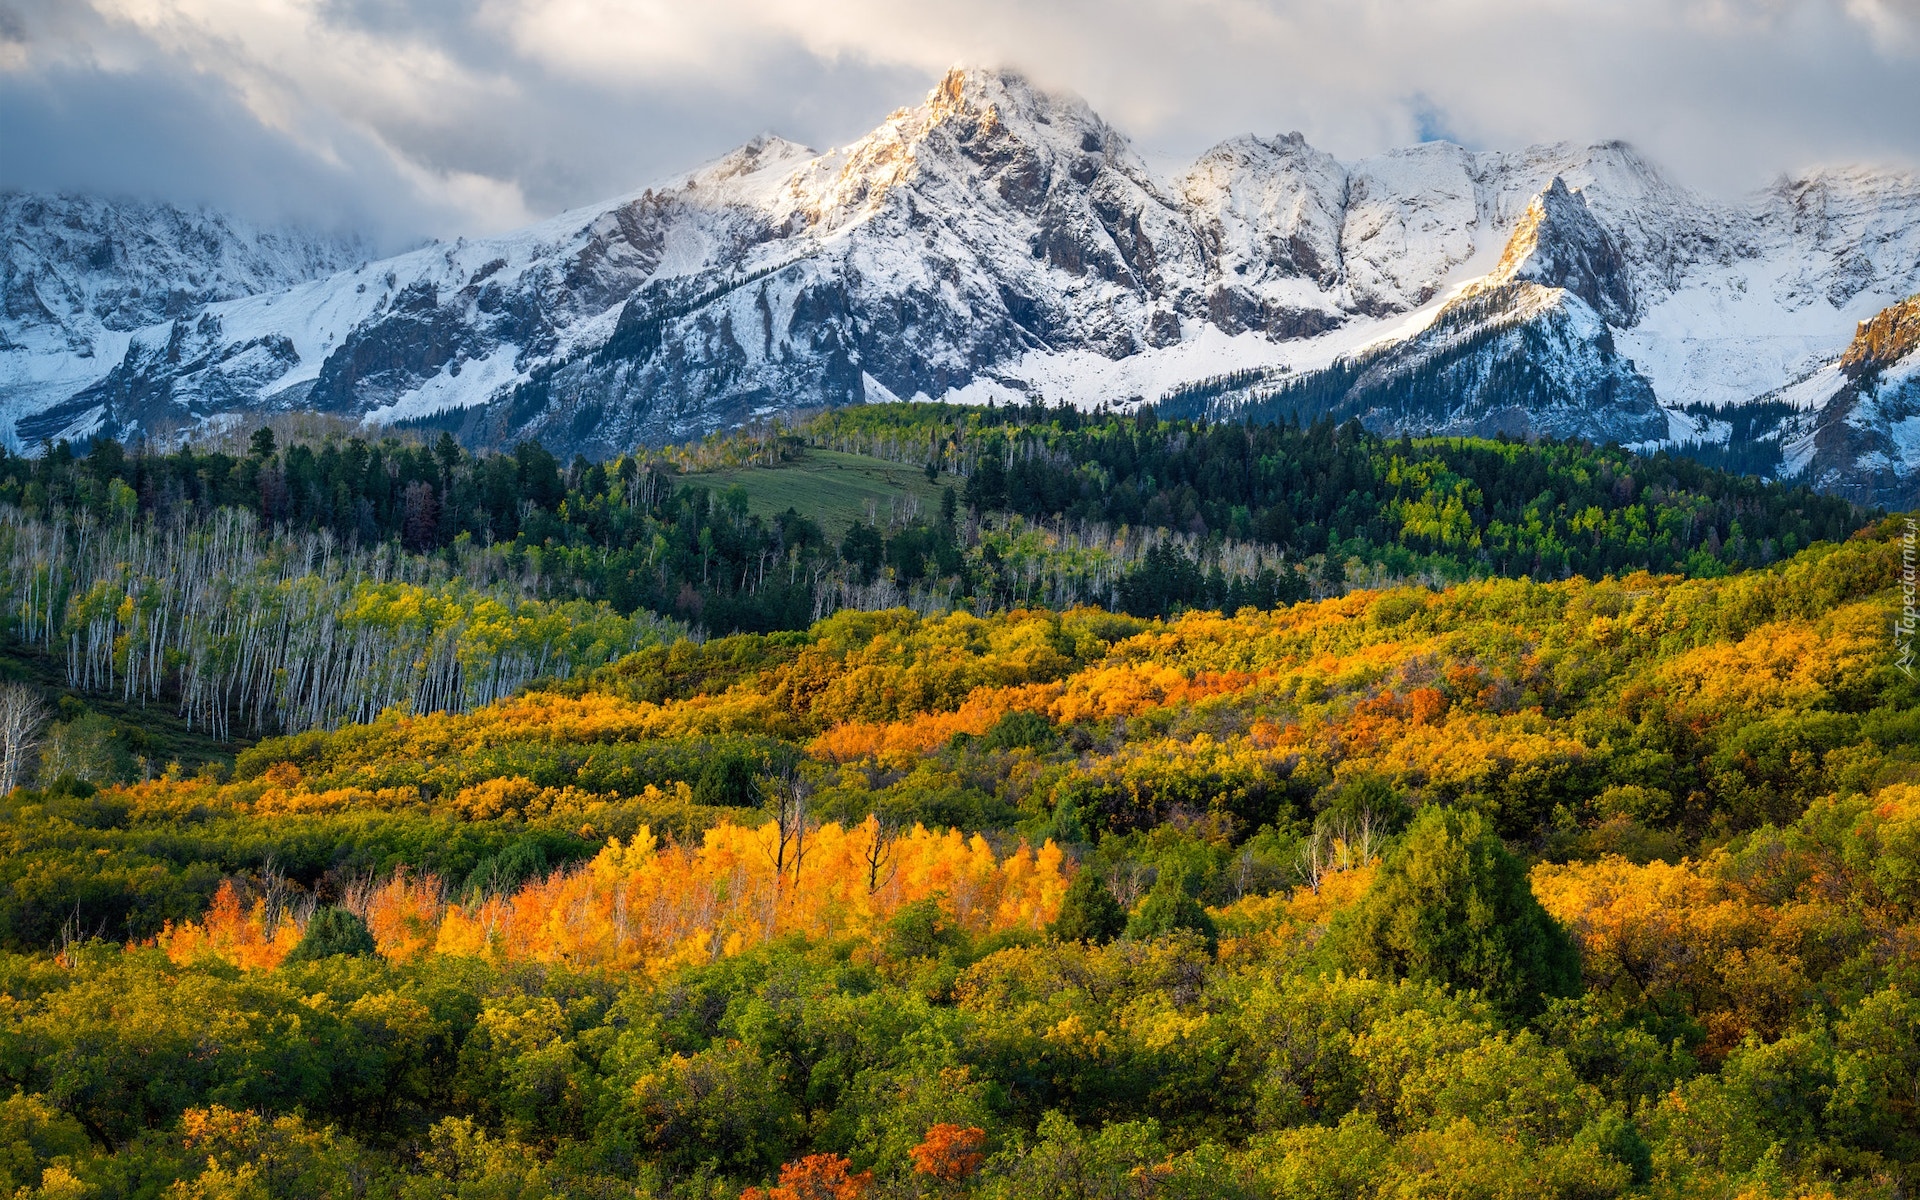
1903	625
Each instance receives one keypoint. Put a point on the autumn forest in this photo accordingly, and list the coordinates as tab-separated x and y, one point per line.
1132	808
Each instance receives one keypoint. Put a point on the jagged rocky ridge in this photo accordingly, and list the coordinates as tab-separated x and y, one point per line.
998	241
80	275
1853	426
1526	349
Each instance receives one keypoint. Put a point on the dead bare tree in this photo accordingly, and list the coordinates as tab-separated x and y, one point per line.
788	793
1342	843
356	895
74	936
277	891
1316	859
1129	880
1360	836
878	854
1243	873
23	714
248	625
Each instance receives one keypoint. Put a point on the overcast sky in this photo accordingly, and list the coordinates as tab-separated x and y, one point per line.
405	118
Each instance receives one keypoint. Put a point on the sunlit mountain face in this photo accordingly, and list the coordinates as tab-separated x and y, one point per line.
998	242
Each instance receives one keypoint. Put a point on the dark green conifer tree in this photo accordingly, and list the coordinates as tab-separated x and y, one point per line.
1089	913
1452	905
332	931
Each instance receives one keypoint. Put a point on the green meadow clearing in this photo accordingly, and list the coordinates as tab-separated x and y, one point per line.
832	488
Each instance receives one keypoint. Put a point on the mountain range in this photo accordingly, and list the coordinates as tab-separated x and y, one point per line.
1000	242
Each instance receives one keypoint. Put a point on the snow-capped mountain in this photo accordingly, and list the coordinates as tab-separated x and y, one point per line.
1853	425
1000	241
79	275
1526	348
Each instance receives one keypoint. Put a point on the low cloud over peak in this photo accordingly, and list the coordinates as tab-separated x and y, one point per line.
418	117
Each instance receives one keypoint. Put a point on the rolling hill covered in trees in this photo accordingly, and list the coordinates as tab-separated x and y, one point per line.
1585	887
277	587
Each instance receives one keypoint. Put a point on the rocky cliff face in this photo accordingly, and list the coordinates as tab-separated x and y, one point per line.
1559	244
997	241
991	224
1525	350
1859	432
79	275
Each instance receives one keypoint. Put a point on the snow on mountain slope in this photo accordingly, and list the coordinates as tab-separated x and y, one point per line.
1525	349
997	241
395	336
1269	216
990	224
1558	243
1809	259
1863	438
1411	218
79	274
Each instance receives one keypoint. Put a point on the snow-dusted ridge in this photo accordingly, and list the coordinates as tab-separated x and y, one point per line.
997	241
79	276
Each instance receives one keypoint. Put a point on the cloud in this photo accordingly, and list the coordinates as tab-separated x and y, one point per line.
94	102
186	138
1895	23
449	116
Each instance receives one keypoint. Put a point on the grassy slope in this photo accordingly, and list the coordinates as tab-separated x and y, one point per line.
160	733
832	488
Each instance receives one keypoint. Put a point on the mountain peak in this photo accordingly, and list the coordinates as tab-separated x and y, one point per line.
996	238
1558	243
756	154
973	88
983	133
991	99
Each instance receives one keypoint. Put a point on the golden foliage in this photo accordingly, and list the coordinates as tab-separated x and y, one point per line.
642	905
950	1153
816	1177
253	939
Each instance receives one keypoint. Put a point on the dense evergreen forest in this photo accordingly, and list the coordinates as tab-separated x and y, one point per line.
1519	888
636	531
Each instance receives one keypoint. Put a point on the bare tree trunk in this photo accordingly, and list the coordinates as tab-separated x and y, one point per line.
788	793
878	853
22	715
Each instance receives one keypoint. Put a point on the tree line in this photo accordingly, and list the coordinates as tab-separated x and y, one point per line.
247	631
1053	507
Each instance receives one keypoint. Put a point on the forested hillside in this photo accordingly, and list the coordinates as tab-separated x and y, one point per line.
302	585
1524	887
